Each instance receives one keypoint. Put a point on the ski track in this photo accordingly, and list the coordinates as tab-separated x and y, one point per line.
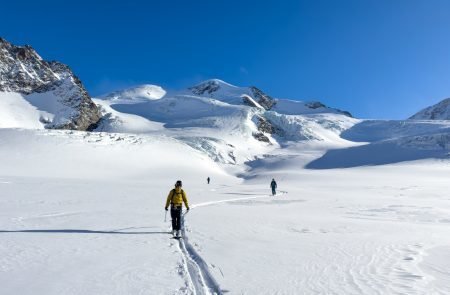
234	200
201	280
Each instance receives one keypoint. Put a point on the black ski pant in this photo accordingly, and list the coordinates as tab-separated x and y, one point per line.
175	213
273	191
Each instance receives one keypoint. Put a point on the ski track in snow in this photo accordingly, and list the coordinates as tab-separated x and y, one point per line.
201	280
235	200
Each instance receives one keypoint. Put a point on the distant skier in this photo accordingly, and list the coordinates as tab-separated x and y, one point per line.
176	198
273	185
208	179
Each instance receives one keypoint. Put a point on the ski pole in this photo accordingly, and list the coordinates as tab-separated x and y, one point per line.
165	217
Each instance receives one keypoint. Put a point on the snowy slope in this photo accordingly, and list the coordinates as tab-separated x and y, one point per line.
93	222
294	107
80	210
16	111
439	111
385	142
140	93
225	92
222	131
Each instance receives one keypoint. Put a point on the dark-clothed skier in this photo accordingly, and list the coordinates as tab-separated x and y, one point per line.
176	198
273	185
208	179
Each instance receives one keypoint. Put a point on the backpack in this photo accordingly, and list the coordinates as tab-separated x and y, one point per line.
173	195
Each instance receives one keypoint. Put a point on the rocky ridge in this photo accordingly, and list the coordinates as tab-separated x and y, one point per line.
23	71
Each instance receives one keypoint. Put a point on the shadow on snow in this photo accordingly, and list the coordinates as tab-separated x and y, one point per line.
388	142
82	231
371	155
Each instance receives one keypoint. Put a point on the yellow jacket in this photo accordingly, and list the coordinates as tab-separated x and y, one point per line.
176	197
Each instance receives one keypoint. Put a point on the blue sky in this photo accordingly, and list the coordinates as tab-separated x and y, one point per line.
382	59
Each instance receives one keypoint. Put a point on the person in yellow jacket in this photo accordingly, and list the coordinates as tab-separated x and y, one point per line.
175	199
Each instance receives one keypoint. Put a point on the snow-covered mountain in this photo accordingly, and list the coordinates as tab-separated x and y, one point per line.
439	111
228	93
211	104
231	124
235	125
35	93
254	97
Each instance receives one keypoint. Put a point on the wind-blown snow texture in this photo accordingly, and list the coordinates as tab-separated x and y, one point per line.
361	208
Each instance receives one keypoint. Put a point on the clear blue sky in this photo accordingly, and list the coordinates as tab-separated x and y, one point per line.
375	58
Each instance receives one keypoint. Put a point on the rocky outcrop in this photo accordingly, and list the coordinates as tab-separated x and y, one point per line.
317	104
261	137
266	101
221	90
247	100
207	87
265	127
23	71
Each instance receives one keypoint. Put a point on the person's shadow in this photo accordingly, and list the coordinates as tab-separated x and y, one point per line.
84	231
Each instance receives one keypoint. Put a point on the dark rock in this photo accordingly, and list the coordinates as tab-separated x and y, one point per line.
266	101
317	104
266	126
246	100
348	114
206	87
232	156
261	137
22	70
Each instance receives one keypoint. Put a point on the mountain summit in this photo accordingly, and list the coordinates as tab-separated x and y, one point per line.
45	93
221	90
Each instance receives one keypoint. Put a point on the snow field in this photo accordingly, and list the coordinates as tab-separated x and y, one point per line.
94	221
357	231
362	205
70	225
